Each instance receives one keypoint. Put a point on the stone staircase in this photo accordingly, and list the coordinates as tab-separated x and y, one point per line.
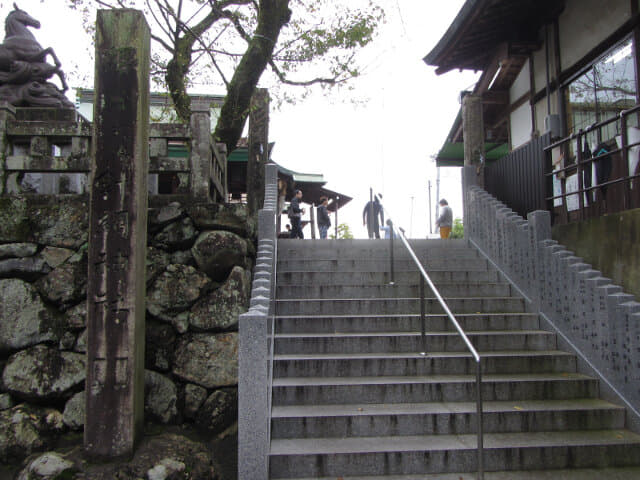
353	398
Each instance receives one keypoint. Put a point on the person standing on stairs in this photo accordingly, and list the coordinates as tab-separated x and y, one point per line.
445	220
324	221
370	214
295	215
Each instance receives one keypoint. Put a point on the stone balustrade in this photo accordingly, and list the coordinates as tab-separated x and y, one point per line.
48	151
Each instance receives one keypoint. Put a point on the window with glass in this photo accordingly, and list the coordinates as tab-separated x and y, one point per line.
604	90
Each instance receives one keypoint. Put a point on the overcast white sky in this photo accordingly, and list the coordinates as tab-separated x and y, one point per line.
386	143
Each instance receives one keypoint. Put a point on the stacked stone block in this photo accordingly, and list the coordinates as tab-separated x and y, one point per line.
600	321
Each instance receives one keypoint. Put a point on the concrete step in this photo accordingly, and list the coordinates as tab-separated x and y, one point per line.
433	388
406	323
319	457
367	306
623	473
442	418
370	264
382	252
411	277
298	343
434	363
458	289
287	247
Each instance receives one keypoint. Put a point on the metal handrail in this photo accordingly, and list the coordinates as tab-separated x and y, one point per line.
424	276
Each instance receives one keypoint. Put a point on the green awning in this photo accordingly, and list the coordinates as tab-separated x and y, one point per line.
452	153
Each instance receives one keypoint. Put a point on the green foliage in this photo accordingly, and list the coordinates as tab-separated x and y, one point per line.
344	232
457	231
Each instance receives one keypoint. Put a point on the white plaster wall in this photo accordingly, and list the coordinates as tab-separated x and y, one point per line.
541	111
521	85
520	124
539	62
586	23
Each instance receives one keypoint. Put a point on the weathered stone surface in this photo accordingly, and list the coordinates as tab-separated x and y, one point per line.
216	216
24	319
161	217
67	341
76	317
157	261
47	466
28	268
194	397
6	401
60	221
25	429
166	469
55	256
159	344
176	236
219	411
66	285
14	223
160	397
220	309
17	250
73	415
81	343
207	360
43	373
183	257
217	252
175	291
166	449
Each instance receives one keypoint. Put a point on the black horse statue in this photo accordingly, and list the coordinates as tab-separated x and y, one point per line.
23	70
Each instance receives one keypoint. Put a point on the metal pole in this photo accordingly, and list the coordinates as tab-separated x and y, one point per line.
337	205
312	220
391	251
479	415
411	220
370	221
430	225
423	319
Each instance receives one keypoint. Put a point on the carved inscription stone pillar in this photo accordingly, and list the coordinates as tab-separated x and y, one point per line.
258	148
473	134
118	235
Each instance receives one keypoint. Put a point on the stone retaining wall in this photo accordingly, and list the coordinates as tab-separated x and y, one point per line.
199	263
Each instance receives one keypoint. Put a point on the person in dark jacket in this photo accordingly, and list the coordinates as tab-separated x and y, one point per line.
295	215
324	221
372	211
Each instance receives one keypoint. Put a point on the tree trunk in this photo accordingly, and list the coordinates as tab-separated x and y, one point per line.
273	15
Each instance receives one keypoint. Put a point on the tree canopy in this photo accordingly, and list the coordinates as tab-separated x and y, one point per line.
231	43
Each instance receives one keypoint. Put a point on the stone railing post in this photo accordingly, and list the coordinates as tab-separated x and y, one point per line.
7	113
201	153
117	236
256	346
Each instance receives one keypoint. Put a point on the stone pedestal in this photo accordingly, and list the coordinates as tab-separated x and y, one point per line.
118	233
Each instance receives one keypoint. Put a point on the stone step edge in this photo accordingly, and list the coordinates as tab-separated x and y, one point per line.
399	315
622	473
417	355
451	443
286	382
407	333
440	408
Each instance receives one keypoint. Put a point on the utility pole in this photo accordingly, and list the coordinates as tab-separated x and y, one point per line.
429	210
411	220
